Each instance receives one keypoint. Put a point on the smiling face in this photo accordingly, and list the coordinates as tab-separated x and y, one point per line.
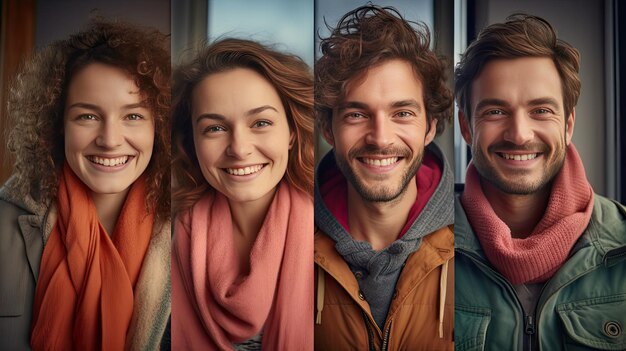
380	129
518	131
109	132
241	134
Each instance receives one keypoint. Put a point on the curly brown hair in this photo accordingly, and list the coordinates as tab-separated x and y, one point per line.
37	100
521	35
288	74
371	35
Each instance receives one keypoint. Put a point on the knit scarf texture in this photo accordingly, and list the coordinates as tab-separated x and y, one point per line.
216	305
537	257
84	295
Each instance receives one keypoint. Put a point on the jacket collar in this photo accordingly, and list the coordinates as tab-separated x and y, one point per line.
605	231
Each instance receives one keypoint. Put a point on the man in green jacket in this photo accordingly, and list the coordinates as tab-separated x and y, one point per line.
540	259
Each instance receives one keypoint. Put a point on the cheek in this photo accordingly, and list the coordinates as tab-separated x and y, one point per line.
75	140
208	153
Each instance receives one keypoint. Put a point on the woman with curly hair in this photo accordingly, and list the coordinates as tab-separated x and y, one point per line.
242	260
84	220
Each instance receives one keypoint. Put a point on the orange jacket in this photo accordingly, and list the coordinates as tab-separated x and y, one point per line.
343	317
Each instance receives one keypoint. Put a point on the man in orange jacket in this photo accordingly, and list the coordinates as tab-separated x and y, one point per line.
384	195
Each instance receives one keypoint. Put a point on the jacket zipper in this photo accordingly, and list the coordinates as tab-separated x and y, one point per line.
370	335
386	337
530	330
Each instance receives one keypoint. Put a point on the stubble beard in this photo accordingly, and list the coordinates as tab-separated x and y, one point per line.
489	173
380	192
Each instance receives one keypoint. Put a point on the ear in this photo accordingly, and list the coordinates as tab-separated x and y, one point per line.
569	126
292	139
432	132
328	133
466	130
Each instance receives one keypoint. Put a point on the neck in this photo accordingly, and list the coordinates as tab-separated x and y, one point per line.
247	219
108	207
379	223
521	213
248	216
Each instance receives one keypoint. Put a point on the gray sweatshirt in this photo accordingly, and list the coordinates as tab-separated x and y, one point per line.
377	271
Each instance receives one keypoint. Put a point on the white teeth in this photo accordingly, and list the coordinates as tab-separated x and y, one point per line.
245	170
108	162
380	162
519	157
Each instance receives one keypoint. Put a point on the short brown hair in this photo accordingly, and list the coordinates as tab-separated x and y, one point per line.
37	103
288	74
370	35
521	35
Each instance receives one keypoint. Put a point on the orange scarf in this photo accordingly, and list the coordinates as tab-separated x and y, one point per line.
213	307
84	296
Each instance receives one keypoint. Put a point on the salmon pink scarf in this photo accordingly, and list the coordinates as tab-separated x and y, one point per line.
84	294
214	307
536	258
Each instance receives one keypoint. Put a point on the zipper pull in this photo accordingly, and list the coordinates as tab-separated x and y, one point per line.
530	325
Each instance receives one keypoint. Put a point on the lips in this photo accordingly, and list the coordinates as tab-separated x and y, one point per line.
518	157
240	171
379	162
109	161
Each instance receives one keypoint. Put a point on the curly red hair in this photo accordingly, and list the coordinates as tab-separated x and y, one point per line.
37	102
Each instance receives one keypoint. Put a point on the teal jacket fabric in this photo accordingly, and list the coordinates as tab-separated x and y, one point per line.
582	307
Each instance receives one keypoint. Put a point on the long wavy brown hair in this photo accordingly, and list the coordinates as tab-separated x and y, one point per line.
288	74
38	95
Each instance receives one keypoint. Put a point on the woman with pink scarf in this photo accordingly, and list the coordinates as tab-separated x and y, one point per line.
242	259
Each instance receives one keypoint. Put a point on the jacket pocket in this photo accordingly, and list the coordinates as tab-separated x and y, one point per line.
470	327
596	323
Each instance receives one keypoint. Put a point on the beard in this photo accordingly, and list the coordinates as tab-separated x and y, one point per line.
382	191
513	185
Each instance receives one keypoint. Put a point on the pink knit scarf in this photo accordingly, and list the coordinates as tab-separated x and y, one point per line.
215	307
536	258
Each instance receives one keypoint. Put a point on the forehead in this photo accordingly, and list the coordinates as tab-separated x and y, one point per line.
517	81
232	91
390	81
100	83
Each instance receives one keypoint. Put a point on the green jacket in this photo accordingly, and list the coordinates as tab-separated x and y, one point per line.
582	307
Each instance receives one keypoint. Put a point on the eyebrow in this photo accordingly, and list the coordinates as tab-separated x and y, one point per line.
94	107
396	104
501	103
490	102
544	101
252	112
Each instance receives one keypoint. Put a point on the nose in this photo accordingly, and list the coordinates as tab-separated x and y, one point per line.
380	133
240	146
519	129
110	135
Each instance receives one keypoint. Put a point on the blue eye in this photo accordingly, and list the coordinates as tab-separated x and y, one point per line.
261	124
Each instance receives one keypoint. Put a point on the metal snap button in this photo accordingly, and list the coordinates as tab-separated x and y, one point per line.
358	275
612	329
361	296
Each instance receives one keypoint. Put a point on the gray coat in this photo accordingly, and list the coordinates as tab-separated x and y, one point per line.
25	225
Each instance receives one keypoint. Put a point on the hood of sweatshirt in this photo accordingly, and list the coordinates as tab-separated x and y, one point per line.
377	272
